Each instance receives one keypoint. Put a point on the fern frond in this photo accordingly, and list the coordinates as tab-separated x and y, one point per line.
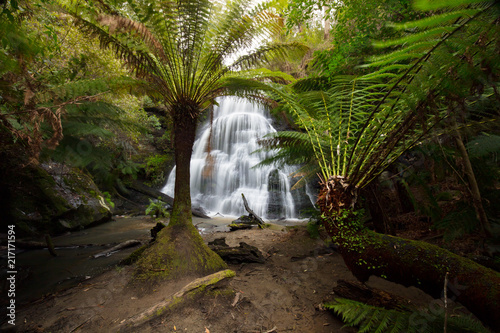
440	4
413	38
267	53
436	20
483	145
379	320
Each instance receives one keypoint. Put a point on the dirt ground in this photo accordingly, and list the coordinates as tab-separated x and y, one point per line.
282	295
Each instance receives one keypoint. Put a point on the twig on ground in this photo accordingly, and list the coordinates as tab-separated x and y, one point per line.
236	299
271	330
86	321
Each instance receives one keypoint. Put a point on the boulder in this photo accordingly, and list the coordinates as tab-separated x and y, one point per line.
52	198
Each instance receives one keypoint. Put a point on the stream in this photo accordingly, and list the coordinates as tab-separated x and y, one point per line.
40	274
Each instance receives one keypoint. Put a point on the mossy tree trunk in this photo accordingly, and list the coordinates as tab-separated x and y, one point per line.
179	248
408	262
184	135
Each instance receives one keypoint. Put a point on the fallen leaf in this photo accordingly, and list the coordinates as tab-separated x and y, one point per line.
206	330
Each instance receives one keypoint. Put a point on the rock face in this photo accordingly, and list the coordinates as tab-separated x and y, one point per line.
52	198
275	208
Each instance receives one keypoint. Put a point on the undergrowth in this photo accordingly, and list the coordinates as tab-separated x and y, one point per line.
369	318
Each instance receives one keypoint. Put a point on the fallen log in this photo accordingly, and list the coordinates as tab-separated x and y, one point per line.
236	255
151	192
372	296
159	308
120	246
251	212
423	265
50	245
243	222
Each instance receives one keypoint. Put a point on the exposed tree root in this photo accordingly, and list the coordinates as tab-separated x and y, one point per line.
159	308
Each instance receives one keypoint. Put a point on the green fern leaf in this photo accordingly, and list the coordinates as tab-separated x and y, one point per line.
440	4
436	20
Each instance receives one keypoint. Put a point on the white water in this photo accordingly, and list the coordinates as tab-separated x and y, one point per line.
237	126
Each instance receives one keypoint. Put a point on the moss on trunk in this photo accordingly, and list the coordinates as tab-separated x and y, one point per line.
178	251
409	262
420	264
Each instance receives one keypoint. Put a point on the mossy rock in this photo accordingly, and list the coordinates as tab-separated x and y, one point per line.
52	198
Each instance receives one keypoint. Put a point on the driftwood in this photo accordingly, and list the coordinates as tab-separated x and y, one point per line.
236	255
359	292
251	212
50	245
120	246
159	308
243	222
29	245
151	192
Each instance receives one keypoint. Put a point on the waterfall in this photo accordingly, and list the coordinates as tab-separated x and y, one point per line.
218	179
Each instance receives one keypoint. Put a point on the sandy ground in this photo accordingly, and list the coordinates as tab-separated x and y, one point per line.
281	295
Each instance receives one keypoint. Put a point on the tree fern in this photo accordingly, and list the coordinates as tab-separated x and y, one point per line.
358	127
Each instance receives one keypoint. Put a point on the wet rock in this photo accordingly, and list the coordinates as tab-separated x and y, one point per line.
53	198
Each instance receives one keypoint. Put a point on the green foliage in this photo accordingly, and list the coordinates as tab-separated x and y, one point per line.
313	228
94	140
51	90
354	218
356	24
148	38
483	153
427	205
484	145
345	136
456	224
370	318
157	208
156	167
107	197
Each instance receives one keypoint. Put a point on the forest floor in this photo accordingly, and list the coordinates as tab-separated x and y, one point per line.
281	295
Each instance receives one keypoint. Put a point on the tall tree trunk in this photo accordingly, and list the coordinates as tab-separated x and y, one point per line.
179	249
477	201
327	27
408	262
184	135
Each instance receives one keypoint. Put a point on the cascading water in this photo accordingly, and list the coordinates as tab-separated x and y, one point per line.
222	161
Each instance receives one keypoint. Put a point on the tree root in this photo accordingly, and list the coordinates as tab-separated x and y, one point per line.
159	308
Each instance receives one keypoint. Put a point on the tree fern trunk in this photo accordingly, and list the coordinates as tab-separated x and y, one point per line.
184	135
410	263
179	249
